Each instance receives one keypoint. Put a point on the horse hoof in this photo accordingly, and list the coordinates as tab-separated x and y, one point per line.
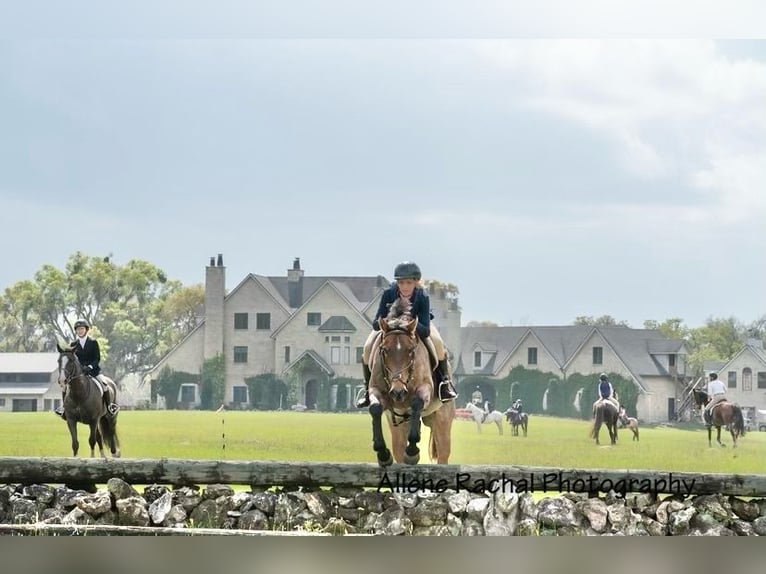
411	459
385	458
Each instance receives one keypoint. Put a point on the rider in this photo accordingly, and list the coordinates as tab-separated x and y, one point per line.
517	405
623	416
716	392
488	408
407	284
477	398
88	353
605	393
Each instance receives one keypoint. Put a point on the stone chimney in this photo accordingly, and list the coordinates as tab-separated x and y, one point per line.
295	284
215	291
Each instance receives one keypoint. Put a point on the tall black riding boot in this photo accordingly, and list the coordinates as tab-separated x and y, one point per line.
364	400
446	389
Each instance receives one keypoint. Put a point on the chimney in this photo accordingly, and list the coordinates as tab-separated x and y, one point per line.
295	284
215	291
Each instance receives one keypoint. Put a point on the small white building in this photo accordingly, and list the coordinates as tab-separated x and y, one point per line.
28	382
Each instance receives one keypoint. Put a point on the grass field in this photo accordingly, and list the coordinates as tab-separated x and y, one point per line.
245	435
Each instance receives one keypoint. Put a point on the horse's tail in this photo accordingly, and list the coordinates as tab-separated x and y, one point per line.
108	427
738	424
598	421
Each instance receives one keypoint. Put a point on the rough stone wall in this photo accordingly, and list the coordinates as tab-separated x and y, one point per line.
355	510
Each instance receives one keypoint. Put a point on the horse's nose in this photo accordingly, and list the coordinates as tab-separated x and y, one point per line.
398	394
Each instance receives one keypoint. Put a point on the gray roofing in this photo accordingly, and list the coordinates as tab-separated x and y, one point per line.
313	355
337	323
28	362
635	347
363	289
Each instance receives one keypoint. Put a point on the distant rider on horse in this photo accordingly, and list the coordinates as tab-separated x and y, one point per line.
605	393
716	392
407	277
88	353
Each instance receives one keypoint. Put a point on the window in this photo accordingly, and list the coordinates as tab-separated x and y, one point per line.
762	380
598	355
240	394
532	355
313	319
335	355
240	320
346	339
732	379
477	358
671	361
287	354
240	354
359	354
335	338
346	355
747	379
263	320
2	403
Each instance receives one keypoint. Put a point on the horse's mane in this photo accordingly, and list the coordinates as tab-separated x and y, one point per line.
400	313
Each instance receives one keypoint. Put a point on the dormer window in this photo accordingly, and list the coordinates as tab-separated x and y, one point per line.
477	358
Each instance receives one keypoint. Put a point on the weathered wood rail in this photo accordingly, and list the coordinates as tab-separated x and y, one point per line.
477	478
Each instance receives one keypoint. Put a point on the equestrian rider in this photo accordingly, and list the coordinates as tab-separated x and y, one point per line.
407	284
605	393
88	353
477	398
623	416
488	408
716	392
517	405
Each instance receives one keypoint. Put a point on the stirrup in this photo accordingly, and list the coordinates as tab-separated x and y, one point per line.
445	388
60	412
362	399
113	408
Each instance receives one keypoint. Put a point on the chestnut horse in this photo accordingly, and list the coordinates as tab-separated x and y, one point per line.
724	413
401	385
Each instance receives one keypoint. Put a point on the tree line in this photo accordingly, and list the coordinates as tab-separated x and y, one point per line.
138	315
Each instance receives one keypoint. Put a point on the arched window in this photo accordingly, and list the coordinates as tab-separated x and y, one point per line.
747	379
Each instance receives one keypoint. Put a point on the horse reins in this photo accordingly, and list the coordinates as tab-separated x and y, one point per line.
388	374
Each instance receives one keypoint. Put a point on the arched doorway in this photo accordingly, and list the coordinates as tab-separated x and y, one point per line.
312	390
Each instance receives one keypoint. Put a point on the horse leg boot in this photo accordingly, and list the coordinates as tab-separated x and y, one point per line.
364	400
446	390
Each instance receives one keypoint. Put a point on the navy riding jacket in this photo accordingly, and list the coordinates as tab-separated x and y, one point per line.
421	308
605	389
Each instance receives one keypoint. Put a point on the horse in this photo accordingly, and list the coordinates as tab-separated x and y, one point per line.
492	417
401	385
724	413
517	419
84	403
604	413
632	425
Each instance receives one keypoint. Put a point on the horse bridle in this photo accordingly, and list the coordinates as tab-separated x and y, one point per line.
76	369
389	376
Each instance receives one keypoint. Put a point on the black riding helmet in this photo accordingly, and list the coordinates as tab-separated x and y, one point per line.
81	323
407	270
603	377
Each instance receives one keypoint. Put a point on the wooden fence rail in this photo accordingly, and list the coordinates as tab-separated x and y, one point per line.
475	478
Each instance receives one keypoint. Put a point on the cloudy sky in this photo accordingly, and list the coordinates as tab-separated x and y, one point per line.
547	178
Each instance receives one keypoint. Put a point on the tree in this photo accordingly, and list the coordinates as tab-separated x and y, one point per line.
603	321
672	328
136	312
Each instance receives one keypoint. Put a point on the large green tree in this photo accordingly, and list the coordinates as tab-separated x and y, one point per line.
137	314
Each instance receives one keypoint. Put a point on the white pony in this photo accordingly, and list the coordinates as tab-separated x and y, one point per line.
492	417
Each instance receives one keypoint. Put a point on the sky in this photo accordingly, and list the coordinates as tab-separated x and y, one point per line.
548	171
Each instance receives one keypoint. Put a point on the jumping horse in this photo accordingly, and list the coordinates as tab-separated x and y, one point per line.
402	386
724	413
480	418
85	403
517	419
605	413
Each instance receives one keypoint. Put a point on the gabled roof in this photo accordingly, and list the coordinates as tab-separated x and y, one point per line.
314	357
362	289
758	353
28	362
337	323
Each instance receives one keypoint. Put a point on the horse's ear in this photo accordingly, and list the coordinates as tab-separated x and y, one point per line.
59	347
383	325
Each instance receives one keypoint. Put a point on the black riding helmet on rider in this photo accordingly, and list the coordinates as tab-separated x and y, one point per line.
407	270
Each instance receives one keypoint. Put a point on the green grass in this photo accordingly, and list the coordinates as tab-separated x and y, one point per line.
552	442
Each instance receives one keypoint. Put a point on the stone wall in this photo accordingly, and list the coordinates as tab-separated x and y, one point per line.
359	511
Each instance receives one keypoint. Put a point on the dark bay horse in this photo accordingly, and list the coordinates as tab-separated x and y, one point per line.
605	413
724	413
84	403
517	419
401	385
